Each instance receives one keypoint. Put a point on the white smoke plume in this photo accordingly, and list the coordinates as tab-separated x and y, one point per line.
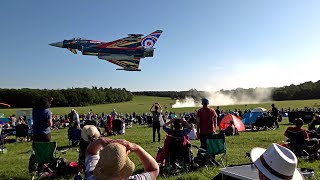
219	98
186	102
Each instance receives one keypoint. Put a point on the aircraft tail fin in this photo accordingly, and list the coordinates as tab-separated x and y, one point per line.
150	40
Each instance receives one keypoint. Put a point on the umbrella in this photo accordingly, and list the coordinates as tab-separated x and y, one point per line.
4	104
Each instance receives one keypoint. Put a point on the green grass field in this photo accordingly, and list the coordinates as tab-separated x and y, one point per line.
142	104
14	163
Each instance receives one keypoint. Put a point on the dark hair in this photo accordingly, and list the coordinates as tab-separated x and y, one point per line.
299	122
42	103
156	107
177	124
231	122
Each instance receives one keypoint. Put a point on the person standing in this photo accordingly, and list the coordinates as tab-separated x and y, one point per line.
206	122
275	115
76	119
13	120
114	114
42	120
218	114
156	113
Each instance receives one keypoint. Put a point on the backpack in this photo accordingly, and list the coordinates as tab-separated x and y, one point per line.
62	166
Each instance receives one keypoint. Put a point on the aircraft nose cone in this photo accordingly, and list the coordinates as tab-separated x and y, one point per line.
57	44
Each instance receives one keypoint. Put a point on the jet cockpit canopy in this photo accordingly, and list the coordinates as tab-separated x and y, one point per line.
135	35
77	38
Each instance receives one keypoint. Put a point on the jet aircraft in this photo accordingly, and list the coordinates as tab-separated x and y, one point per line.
125	52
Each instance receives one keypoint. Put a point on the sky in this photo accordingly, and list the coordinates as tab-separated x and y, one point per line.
206	45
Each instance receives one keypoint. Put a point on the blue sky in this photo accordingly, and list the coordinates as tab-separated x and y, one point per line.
207	45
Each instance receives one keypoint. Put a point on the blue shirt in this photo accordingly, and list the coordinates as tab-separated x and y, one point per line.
180	133
41	119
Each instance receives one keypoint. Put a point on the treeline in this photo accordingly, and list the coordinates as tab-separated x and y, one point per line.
73	97
307	90
195	94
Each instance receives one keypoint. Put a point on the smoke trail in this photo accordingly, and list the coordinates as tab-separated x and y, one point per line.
238	96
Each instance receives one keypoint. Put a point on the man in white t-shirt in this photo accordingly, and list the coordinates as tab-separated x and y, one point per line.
114	114
76	119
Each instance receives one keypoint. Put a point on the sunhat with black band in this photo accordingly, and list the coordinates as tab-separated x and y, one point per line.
114	163
276	162
90	132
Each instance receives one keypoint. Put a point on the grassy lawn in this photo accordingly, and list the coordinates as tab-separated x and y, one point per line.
142	104
14	163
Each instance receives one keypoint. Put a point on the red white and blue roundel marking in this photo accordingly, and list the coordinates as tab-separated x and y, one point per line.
150	40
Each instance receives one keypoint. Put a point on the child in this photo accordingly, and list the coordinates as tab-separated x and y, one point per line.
193	132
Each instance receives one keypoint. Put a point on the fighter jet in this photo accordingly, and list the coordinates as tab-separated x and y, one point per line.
125	52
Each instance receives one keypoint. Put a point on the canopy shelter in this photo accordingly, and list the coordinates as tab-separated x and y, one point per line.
259	109
4	120
226	121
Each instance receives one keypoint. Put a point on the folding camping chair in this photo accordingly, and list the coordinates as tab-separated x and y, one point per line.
44	158
216	147
116	126
2	137
22	132
298	144
180	156
43	154
74	136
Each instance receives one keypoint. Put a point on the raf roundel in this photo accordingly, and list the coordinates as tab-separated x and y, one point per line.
148	43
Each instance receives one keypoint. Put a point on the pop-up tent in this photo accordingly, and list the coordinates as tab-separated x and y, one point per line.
250	117
259	109
226	121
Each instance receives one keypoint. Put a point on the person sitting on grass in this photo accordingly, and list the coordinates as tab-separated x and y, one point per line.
315	121
193	133
311	142
231	130
108	159
89	133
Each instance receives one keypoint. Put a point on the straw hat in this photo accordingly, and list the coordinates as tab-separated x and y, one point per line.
114	163
89	131
276	162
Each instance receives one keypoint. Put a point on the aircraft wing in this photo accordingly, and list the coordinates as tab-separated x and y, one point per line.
128	65
127	42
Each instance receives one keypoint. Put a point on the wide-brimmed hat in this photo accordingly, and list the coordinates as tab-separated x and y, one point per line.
276	162
89	131
114	163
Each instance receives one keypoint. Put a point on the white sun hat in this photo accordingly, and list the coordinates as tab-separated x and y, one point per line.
89	131
276	162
